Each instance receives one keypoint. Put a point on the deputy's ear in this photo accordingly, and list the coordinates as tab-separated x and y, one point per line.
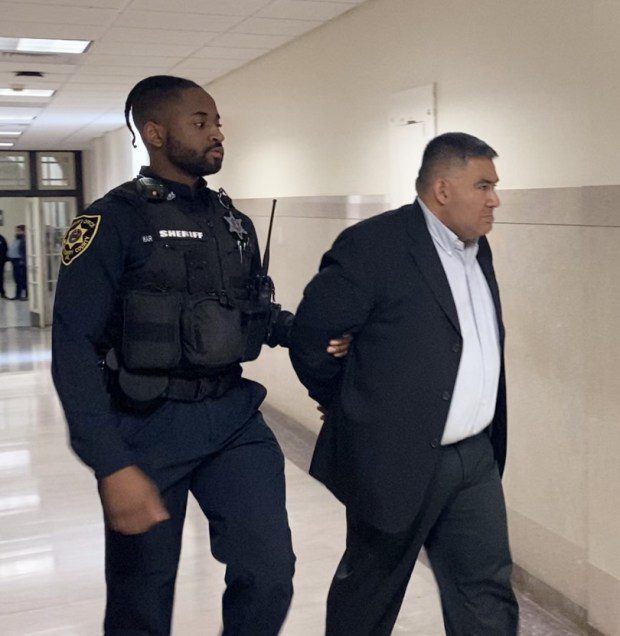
154	134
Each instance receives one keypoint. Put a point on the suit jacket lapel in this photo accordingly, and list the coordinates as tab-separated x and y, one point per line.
429	263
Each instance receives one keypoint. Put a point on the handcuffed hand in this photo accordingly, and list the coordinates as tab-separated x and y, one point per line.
340	346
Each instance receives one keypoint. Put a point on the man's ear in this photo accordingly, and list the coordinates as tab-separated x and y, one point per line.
153	134
441	191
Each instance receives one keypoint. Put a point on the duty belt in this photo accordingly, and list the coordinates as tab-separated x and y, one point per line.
195	390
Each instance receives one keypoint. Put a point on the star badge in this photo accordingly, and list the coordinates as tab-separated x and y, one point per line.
235	226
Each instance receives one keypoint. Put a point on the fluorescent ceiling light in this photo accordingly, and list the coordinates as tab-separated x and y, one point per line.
6	144
38	45
26	92
10	133
16	118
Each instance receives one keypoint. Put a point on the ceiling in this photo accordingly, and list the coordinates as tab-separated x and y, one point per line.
198	39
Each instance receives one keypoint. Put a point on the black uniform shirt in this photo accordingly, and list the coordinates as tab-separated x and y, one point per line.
106	243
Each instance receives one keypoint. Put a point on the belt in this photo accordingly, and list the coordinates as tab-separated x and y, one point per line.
194	390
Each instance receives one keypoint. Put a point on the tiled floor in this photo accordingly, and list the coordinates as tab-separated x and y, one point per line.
51	549
13	313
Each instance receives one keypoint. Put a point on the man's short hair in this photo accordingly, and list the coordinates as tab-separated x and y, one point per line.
148	96
447	150
21	227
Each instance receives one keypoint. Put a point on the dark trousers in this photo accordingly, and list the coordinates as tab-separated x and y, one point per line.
2	289
240	489
20	277
463	527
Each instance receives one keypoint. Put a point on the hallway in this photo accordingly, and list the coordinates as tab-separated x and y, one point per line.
51	538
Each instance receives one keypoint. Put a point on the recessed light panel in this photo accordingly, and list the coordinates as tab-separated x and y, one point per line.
15	119
6	144
10	133
39	45
26	92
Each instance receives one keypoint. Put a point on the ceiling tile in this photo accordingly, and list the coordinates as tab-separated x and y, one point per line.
270	26
30	12
244	40
304	10
141	49
54	31
208	64
128	61
51	81
158	36
105	74
99	4
214	7
229	53
77	87
179	21
201	77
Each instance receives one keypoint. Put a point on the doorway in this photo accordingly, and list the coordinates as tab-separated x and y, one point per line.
46	220
411	127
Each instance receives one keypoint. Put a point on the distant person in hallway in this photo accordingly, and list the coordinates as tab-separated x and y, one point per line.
17	255
414	439
3	259
161	284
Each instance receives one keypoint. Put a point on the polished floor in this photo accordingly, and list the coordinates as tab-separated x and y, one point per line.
51	548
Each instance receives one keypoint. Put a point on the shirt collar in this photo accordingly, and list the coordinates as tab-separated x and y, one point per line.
442	235
180	189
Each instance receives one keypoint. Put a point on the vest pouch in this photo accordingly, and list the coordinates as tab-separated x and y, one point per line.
151	331
257	324
212	333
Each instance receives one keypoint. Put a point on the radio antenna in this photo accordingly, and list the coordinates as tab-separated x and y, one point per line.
265	268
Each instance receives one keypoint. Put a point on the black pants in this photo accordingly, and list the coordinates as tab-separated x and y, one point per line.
240	488
463	527
20	277
2	289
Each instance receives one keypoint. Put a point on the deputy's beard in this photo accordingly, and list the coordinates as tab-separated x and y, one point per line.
191	162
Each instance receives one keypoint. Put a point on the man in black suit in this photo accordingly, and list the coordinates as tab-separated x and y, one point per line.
3	259
17	255
414	440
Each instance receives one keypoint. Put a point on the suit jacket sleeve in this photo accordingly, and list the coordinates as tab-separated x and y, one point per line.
337	300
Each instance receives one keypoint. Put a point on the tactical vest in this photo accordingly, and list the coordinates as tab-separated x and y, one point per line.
197	306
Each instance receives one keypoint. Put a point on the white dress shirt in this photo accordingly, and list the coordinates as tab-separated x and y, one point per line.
13	251
475	392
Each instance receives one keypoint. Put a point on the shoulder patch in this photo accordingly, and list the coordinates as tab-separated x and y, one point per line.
79	236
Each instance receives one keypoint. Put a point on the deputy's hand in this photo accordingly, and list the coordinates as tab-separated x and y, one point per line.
323	411
131	501
340	347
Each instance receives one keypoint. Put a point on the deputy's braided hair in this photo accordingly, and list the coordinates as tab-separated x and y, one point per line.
150	94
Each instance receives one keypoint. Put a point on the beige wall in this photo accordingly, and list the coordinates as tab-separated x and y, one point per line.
536	80
310	117
109	161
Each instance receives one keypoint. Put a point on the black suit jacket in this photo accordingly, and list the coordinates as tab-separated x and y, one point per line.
388	400
4	248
